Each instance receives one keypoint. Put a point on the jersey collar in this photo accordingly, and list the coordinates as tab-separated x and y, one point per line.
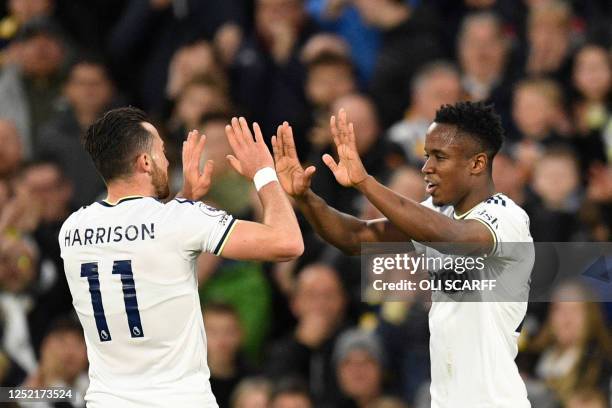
105	203
462	216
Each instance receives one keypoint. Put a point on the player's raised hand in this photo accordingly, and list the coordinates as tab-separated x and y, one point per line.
349	170
294	179
250	154
195	183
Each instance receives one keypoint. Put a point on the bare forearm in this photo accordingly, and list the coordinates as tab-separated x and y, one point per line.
339	229
410	217
277	211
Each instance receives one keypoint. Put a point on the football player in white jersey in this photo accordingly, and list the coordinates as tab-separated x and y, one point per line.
130	259
473	344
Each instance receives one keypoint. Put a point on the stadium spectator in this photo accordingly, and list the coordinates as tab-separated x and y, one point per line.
435	85
252	392
228	190
149	32
21	12
359	360
51	192
224	336
592	109
88	92
409	40
267	76
11	152
330	76
291	393
574	344
318	304
30	86
342	17
486	60
549	41
553	208
372	147
63	360
201	95
587	399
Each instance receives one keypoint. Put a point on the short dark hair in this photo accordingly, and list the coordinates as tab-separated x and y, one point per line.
115	139
221	308
292	385
478	120
329	58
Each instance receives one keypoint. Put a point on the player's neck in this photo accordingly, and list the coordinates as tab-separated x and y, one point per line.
119	189
476	195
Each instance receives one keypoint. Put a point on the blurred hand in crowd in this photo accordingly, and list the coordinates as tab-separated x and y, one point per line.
17	263
11	152
600	184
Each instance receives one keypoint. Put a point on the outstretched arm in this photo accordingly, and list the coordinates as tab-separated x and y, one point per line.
339	229
413	219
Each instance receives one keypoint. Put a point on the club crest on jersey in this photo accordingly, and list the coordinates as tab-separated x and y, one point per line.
136	331
103	335
210	211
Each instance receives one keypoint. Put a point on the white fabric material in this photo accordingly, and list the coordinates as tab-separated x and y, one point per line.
473	344
163	363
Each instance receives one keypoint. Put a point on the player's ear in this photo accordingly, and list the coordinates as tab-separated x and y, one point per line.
144	163
480	163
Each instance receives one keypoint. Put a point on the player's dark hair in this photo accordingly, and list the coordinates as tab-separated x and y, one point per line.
115	139
477	120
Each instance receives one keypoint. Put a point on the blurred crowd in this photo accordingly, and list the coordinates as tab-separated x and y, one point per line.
298	334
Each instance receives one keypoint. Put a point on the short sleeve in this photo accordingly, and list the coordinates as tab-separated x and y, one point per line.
504	224
201	228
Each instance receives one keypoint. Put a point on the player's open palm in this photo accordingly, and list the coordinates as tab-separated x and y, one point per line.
250	154
196	183
349	170
294	179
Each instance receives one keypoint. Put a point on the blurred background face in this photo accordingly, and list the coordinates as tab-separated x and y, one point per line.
291	401
196	100
593	73
41	55
88	88
280	12
252	398
223	334
49	189
359	375
569	323
555	179
10	153
65	351
362	113
25	10
482	50
440	88
548	28
532	112
217	146
506	175
326	83
319	292
405	181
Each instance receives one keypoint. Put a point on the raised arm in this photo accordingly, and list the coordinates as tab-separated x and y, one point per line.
410	217
343	231
279	237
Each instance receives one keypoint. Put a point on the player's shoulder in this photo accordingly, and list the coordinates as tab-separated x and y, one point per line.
503	205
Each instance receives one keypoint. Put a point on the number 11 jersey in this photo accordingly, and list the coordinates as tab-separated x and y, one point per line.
131	269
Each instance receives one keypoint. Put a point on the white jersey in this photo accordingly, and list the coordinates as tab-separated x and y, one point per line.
131	272
473	344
